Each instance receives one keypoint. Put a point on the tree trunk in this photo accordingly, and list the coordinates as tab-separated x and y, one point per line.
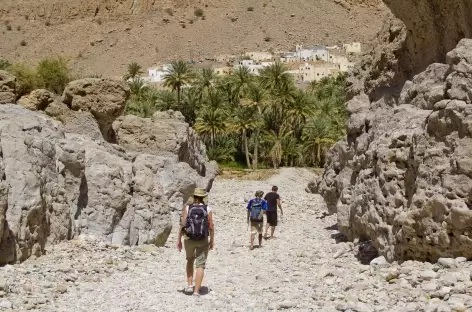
256	150
246	149
178	97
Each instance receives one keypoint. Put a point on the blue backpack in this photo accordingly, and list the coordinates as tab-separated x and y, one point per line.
256	211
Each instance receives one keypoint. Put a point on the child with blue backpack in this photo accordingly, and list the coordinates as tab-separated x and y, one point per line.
255	213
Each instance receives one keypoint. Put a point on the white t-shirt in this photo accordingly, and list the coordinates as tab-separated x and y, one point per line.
208	208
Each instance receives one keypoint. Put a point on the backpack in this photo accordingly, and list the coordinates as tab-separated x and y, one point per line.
196	226
256	211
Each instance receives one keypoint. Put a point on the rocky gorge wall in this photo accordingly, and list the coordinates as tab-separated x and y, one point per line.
61	179
401	178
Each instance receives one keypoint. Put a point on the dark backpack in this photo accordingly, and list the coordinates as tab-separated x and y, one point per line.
196	226
256	211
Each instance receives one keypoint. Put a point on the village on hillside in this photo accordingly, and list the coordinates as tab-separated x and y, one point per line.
305	64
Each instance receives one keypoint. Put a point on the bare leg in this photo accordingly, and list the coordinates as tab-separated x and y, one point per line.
190	271
198	280
272	230
252	240
260	240
267	230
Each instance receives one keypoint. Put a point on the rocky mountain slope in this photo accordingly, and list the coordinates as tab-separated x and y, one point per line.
63	176
103	36
401	178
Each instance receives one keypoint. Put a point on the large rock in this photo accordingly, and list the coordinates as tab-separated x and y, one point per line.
38	99
56	185
7	87
165	134
104	98
403	177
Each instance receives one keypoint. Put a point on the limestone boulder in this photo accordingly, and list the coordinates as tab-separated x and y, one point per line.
104	98
403	179
38	99
57	185
166	134
7	87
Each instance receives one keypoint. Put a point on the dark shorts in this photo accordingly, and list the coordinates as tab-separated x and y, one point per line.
272	218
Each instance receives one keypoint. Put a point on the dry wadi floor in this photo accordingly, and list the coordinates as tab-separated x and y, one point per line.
304	269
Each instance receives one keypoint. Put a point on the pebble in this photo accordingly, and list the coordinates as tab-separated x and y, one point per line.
3	284
379	262
5	304
428	275
447	262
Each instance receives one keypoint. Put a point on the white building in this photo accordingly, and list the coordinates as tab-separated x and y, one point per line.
354	47
156	74
317	71
289	57
320	53
304	55
254	68
246	63
259	56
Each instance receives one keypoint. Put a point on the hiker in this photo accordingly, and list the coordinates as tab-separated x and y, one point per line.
273	201
196	226
255	213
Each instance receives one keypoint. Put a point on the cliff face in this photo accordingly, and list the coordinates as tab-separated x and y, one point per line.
414	35
434	27
401	178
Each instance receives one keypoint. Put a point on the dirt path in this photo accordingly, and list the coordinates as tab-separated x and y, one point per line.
304	269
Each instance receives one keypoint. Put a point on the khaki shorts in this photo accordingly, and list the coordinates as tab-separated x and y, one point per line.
197	250
256	227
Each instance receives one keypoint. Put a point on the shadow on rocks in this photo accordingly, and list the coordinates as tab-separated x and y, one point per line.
338	237
366	252
204	290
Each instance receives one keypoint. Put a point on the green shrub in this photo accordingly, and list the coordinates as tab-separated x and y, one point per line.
54	74
4	64
198	12
26	77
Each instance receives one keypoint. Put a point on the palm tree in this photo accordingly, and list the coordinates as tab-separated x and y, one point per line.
190	105
205	81
133	71
241	79
244	121
211	122
229	91
275	76
293	151
143	105
166	100
318	136
275	140
177	76
214	100
299	109
224	149
138	87
256	96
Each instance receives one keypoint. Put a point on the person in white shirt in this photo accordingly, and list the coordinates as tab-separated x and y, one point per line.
196	226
